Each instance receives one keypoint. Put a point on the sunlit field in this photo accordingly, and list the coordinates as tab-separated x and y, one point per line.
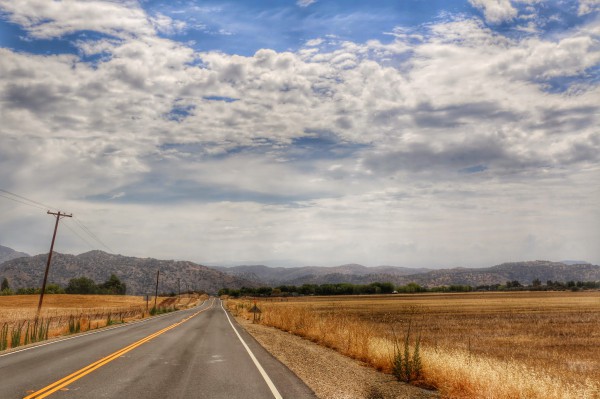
68	314
475	345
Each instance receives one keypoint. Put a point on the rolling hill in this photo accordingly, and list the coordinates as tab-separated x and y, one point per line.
138	273
349	273
524	272
7	253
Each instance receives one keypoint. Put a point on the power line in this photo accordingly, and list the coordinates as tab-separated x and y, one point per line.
89	233
39	204
22	202
78	235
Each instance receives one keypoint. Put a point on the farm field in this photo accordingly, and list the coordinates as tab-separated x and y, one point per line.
66	314
473	345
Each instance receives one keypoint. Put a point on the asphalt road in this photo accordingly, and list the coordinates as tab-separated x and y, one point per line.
196	353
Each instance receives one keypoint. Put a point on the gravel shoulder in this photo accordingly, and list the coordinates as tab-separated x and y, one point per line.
328	373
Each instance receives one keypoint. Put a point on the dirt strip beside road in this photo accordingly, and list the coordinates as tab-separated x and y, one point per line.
329	374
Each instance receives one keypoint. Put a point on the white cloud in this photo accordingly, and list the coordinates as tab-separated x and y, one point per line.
305	3
48	19
495	11
588	6
165	24
314	42
402	152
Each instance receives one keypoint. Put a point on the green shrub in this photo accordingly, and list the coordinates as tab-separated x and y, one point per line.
4	337
407	366
74	324
15	336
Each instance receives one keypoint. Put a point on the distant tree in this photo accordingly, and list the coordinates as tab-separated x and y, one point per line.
28	291
5	288
536	283
411	288
513	284
81	285
112	286
387	288
263	291
54	289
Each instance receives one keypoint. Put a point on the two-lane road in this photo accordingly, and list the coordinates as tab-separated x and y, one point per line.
196	353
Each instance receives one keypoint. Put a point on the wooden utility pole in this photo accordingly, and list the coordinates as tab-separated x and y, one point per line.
58	216
156	291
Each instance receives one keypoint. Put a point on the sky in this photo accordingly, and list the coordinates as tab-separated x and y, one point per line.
310	132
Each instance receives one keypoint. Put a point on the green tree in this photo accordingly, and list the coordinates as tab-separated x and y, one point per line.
81	285
54	289
5	285
113	286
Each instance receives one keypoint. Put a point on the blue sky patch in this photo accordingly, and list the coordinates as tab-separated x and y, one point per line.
180	112
474	169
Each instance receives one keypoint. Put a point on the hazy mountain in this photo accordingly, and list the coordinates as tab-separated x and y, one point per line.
318	274
7	253
138	273
524	272
574	262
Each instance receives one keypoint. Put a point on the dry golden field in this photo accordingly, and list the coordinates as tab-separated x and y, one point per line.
473	345
65	314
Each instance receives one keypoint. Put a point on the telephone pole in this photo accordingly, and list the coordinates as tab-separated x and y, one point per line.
58	215
156	291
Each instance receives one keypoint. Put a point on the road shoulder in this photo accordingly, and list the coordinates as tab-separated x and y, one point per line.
328	373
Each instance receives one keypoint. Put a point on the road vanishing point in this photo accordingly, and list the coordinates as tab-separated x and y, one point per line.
195	353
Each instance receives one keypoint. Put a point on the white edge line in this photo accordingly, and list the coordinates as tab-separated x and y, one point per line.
104	329
262	371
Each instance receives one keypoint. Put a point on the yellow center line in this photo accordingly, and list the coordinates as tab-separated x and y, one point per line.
63	382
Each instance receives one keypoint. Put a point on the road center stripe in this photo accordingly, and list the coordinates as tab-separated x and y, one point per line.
63	382
262	371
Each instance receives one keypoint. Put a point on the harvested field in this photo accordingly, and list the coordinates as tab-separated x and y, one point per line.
67	314
493	345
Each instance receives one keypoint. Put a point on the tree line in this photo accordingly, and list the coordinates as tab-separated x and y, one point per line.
80	285
410	288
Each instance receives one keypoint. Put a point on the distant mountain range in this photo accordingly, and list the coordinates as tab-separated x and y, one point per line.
351	273
140	273
524	272
7	253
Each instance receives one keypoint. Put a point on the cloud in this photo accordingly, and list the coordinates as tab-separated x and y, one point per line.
495	11
314	42
588	6
167	25
328	154
49	19
305	3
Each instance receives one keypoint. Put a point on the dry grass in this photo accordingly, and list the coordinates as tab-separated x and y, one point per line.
65	314
492	345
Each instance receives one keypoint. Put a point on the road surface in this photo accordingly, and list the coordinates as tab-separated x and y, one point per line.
195	353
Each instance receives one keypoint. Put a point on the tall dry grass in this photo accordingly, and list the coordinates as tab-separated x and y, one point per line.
518	345
67	314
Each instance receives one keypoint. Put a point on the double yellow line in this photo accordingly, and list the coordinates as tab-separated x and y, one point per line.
50	389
